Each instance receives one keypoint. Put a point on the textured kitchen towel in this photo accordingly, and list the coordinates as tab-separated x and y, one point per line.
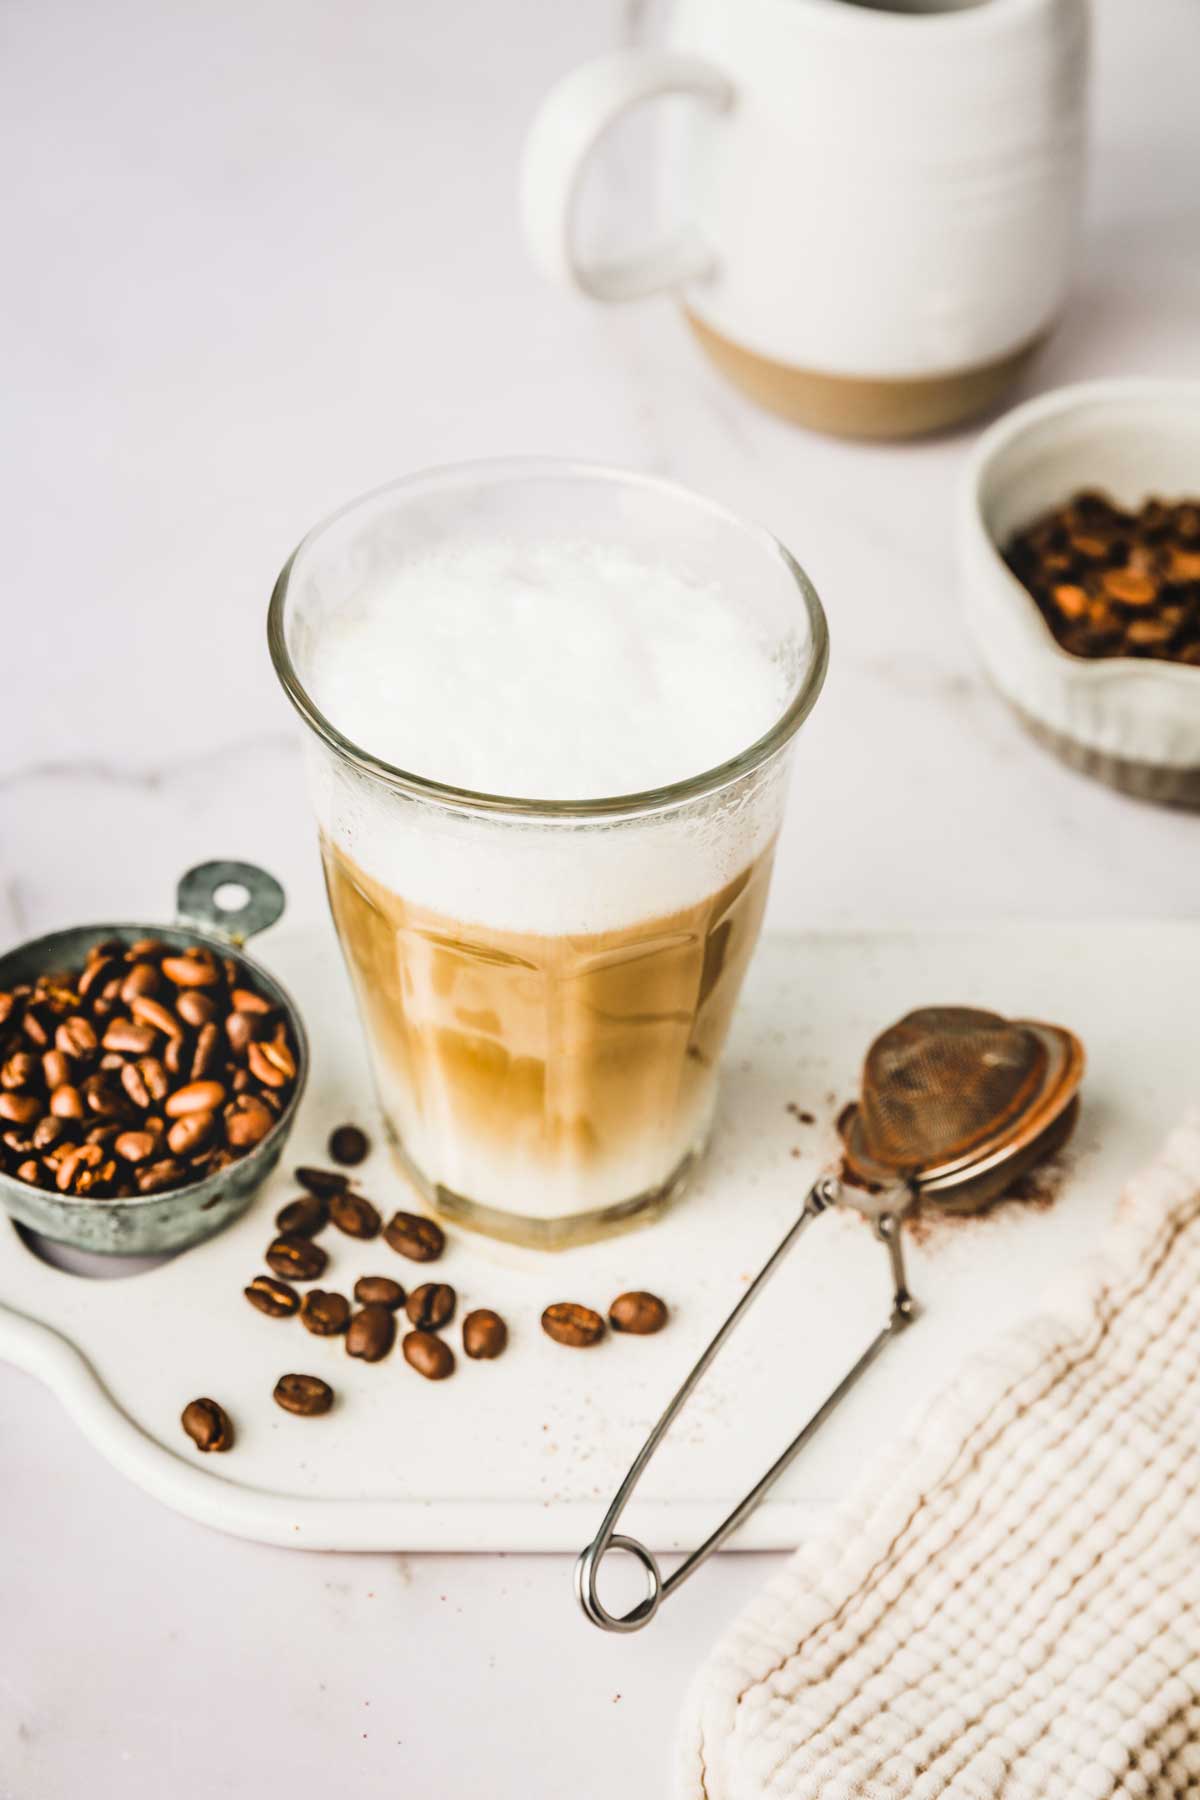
1010	1605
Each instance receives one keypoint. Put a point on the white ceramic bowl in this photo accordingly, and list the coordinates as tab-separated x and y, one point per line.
1132	723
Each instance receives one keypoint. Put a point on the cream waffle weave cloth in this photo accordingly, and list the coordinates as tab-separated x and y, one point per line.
1010	1605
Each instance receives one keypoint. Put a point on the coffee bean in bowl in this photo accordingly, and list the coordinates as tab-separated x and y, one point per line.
207	1424
130	1119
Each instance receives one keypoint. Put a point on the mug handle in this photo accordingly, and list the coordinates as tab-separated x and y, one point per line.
568	126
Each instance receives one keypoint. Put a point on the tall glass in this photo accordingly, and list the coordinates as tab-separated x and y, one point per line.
546	985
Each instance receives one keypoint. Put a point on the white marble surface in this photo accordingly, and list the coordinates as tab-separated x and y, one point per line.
258	259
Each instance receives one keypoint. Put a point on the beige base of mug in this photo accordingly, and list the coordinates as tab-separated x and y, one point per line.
864	407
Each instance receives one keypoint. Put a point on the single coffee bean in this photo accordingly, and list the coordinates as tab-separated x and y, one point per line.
197	1096
31	1172
638	1313
431	1305
20	1109
303	1217
128	1038
135	1146
196	1008
56	1069
135	1087
297	1258
568	1323
192	1133
21	1069
306	1395
143	978
196	969
321	1182
275	1298
74	1037
378	1290
159	1176
47	1132
245	1000
175	1058
154	1077
430	1356
414	1236
99	971
484	1334
354	1214
272	1064
324	1313
240	1029
371	1333
348	1145
206	1057
148	1011
141	950
247	1121
207	1424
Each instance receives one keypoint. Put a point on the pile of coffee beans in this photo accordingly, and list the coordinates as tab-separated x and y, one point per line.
146	1070
1115	583
368	1328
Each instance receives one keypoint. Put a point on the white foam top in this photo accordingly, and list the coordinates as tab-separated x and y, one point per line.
556	673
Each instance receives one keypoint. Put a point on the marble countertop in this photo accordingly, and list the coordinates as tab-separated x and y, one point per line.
262	258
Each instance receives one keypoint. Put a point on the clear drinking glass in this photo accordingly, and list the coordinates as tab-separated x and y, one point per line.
546	985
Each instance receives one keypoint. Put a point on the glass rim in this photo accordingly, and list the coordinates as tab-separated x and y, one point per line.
423	787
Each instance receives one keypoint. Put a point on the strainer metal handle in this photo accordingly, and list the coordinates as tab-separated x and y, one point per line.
887	1211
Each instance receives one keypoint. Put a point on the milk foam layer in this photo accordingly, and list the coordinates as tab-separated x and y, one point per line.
558	673
546	673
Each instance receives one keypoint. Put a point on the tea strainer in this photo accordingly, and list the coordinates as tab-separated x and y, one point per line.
955	1104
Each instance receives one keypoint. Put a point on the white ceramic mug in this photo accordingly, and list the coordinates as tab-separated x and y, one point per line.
877	202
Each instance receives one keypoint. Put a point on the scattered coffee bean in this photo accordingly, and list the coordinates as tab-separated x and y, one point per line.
348	1145
638	1313
354	1215
207	1424
568	1323
414	1236
129	1055
430	1356
371	1333
324	1313
275	1298
484	1334
431	1306
322	1182
306	1395
378	1290
296	1258
302	1217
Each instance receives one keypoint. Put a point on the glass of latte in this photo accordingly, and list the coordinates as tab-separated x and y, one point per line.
550	709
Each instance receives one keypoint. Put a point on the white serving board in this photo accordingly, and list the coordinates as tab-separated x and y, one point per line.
524	1453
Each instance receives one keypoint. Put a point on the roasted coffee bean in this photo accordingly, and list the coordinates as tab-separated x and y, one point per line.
275	1298
196	969
130	1039
354	1214
21	1069
247	1121
413	1235
206	1058
36	1023
104	1095
192	1133
197	1096
78	1168
207	1424
154	1077
148	1011
20	1109
272	1064
371	1333
67	1103
568	1323
348	1145
175	1058
484	1334
325	1314
196	1008
378	1290
56	1069
143	978
99	971
33	1173
135	1087
638	1313
297	1258
322	1182
431	1306
17	1141
240	1029
113	1060
47	1132
159	1176
430	1356
306	1395
245	1000
75	1037
135	1146
142	949
303	1217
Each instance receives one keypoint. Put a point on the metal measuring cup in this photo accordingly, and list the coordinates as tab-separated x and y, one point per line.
152	1224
